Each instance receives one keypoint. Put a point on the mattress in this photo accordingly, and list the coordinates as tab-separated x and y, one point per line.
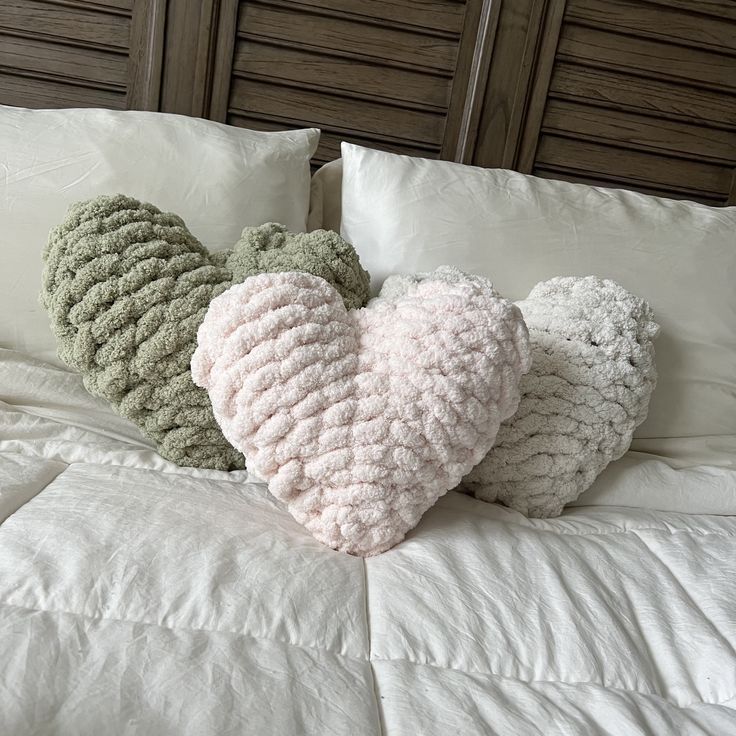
137	597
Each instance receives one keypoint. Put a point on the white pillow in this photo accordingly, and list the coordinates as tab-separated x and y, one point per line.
325	204
216	177
405	215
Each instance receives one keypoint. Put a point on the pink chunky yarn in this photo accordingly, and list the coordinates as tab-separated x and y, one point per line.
360	420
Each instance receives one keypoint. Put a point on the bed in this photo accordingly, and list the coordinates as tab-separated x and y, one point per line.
141	597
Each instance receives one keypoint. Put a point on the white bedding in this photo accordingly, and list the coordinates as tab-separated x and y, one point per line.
141	598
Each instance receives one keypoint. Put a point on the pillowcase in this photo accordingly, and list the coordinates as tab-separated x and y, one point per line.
360	420
406	214
325	203
218	178
127	287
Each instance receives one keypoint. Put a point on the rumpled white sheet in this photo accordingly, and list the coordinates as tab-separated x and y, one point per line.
141	598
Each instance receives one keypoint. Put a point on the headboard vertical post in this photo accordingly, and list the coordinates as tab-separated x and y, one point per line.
222	60
468	85
146	55
544	60
190	55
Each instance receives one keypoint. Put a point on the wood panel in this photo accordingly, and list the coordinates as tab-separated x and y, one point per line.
374	72
626	166
121	5
660	99
189	55
639	94
74	53
647	58
28	92
437	15
641	132
543	64
145	56
270	101
474	56
62	62
508	84
722	9
354	37
641	19
69	23
319	71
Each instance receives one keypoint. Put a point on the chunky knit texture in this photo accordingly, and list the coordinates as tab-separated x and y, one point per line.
323	253
126	287
591	378
361	420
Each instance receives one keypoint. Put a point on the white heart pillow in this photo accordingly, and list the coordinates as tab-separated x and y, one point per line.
588	389
361	419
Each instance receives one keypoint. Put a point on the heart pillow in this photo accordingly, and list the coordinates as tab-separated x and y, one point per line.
588	389
126	287
360	420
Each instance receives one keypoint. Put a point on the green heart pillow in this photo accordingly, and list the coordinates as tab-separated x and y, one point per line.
127	286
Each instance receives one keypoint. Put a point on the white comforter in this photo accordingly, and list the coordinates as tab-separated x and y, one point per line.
140	598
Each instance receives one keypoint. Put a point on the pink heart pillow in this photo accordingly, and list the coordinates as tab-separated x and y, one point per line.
360	420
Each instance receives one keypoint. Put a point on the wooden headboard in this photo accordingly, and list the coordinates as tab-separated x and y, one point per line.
639	94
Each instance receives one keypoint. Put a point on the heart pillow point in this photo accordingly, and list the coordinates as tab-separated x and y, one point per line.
360	427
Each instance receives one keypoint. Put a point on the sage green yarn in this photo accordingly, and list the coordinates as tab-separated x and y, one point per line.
271	249
126	287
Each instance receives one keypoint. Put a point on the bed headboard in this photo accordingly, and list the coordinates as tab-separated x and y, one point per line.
639	94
